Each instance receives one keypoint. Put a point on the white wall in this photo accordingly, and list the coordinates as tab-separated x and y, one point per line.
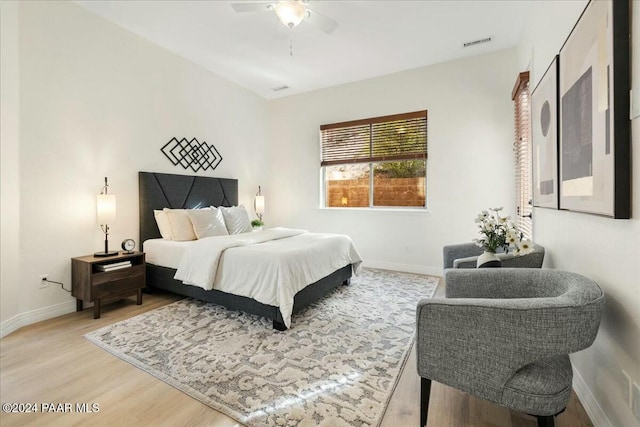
470	165
606	250
10	160
96	100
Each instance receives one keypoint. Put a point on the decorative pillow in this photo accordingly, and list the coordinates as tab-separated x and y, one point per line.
181	228
163	224
207	222
236	219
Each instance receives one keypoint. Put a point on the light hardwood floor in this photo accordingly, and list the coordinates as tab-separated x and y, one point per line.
52	362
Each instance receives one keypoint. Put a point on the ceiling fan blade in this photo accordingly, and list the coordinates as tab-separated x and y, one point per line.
252	7
324	23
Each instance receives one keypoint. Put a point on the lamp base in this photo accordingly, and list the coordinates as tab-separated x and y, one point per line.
103	254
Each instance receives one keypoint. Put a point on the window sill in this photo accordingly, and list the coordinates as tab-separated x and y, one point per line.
402	211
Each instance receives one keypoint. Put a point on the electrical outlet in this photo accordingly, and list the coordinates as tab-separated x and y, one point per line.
625	387
635	102
635	402
43	281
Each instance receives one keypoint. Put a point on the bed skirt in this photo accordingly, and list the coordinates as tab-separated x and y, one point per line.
162	278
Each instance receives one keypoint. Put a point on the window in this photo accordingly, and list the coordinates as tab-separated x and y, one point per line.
377	162
522	150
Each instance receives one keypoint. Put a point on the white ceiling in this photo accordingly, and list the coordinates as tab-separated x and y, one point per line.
373	38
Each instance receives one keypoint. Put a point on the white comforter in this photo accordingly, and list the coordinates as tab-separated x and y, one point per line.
270	266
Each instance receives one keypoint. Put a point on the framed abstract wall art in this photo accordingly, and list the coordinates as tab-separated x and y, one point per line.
544	138
595	134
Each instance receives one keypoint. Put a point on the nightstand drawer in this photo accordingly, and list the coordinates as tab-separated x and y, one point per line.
117	286
110	276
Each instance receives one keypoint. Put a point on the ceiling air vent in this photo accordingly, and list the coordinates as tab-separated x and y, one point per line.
479	41
279	88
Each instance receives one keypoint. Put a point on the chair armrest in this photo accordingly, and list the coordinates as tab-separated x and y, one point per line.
477	345
468	262
531	260
452	252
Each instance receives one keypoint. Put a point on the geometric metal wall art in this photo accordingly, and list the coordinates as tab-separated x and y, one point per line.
192	154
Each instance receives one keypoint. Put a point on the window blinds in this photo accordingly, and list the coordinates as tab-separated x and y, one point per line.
522	150
387	138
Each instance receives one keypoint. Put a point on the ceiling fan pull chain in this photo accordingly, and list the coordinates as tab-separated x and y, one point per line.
291	46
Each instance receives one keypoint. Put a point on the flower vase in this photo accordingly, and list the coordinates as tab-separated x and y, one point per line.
488	260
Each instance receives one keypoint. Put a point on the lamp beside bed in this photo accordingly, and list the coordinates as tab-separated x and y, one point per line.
258	204
105	215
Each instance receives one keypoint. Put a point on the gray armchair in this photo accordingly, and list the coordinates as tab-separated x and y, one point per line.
504	335
465	255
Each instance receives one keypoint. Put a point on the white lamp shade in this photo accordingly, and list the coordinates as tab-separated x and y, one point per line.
106	209
291	13
260	204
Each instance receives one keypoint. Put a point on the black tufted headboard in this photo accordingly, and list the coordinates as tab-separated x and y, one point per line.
163	190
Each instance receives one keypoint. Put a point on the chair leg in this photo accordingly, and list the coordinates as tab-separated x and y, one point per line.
545	421
425	393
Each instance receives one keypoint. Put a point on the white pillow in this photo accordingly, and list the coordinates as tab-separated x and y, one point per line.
163	224
236	219
207	222
181	227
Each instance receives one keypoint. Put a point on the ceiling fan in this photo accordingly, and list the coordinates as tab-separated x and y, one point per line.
290	12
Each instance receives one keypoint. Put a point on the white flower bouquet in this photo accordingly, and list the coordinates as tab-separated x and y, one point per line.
498	231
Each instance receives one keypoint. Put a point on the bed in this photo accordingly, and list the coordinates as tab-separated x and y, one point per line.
159	190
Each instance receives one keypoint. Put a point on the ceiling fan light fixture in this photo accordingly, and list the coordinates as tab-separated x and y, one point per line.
290	12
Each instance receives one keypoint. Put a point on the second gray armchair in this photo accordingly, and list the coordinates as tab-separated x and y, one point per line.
465	255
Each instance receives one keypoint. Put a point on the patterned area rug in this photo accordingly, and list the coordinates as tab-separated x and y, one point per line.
337	366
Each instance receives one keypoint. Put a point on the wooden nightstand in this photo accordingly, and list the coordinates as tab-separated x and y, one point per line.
90	283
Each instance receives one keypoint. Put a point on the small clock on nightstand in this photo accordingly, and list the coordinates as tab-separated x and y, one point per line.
128	245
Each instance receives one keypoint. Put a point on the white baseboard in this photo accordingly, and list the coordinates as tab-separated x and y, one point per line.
38	315
589	402
407	268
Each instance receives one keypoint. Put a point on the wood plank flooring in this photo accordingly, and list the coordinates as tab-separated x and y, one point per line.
52	362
